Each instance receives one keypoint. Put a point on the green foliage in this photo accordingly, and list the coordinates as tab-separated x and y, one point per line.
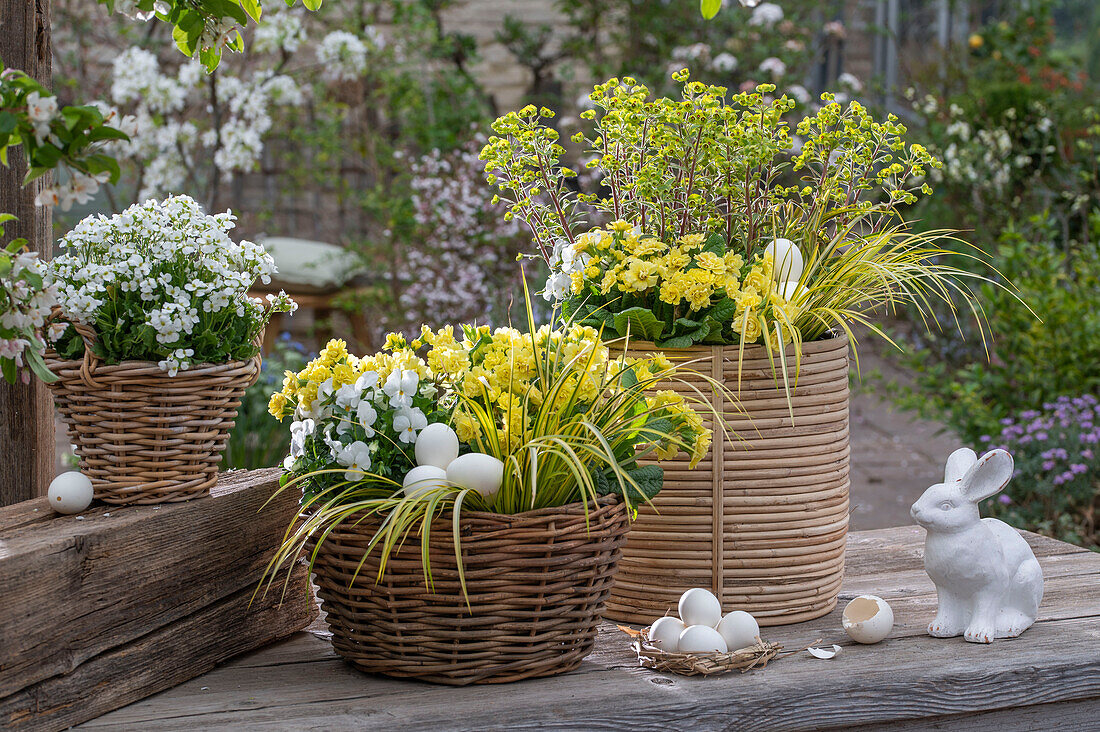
51	137
1032	361
257	440
201	28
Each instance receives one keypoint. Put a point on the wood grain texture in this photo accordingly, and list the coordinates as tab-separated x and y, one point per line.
27	432
75	591
1049	678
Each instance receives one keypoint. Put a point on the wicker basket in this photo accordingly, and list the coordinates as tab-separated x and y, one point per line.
536	582
143	436
762	522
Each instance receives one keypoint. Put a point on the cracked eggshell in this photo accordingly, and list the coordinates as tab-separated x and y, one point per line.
868	619
699	606
701	639
665	633
436	445
739	630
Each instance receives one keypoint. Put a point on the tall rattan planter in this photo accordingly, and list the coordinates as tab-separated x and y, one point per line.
536	582
143	436
762	521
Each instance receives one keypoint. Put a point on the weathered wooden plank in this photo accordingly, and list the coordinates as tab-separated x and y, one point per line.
1081	716
300	683
915	678
26	431
160	660
125	572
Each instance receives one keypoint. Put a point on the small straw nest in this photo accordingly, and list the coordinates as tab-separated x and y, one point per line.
700	664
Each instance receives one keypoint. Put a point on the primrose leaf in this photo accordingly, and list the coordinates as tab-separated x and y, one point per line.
640	323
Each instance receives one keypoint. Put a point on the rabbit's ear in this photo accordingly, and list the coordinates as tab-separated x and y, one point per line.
988	476
958	463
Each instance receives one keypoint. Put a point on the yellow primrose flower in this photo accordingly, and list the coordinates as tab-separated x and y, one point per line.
639	275
734	262
468	428
711	261
747	325
691	241
620	226
277	405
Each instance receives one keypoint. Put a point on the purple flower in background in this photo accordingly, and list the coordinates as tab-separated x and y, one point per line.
985	438
1004	500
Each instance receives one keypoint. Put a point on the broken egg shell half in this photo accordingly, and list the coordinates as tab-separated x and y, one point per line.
868	619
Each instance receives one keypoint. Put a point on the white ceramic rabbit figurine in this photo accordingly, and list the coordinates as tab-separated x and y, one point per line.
987	578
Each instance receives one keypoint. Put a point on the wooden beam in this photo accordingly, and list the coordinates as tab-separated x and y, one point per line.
27	434
131	600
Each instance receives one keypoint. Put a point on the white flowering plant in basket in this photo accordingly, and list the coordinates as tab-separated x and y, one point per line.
164	282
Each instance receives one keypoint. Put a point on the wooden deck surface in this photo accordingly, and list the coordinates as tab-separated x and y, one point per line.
1047	679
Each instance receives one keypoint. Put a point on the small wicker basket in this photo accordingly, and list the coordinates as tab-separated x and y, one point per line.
536	583
143	436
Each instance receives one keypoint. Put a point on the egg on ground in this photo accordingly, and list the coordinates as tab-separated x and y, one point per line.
70	492
868	619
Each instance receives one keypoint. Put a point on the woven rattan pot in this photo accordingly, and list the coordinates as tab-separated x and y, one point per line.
537	584
143	436
761	521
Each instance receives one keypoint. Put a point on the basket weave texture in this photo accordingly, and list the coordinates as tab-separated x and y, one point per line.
761	521
536	582
143	436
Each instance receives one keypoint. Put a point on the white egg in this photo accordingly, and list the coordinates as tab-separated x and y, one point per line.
665	633
868	619
483	473
786	260
739	630
700	607
70	492
437	444
787	289
701	639
423	478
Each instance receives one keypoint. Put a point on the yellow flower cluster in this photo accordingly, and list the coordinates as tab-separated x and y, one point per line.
682	274
334	362
502	368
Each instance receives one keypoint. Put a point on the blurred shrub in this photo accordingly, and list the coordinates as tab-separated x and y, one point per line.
1031	362
258	440
1056	486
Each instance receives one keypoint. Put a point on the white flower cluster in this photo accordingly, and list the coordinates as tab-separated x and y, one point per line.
342	55
280	31
348	417
172	125
766	15
564	262
179	261
464	245
79	187
25	302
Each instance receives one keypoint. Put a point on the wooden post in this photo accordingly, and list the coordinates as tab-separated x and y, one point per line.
26	410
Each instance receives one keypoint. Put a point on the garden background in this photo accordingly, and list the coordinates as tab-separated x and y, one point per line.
359	126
